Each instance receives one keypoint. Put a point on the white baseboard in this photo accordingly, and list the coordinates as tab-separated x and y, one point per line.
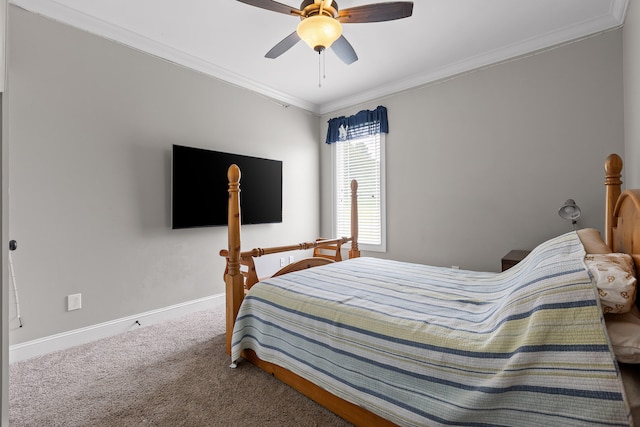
75	337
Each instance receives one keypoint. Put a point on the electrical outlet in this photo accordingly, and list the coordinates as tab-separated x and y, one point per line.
290	259
74	302
282	262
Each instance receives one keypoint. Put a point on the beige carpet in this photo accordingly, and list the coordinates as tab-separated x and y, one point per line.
171	374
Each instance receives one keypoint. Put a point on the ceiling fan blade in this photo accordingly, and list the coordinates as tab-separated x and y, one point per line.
283	46
344	50
273	6
376	12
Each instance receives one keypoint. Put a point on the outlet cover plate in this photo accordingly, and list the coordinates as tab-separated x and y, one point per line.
74	302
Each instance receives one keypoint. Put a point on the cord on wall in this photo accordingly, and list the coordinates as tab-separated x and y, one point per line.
12	247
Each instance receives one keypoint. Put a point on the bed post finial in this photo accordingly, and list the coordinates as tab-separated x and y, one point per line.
234	280
612	182
355	250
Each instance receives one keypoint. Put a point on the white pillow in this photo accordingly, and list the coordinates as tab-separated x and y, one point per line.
624	334
615	279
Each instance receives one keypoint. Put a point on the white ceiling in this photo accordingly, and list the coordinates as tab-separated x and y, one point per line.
228	39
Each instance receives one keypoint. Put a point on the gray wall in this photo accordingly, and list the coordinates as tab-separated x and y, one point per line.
476	165
90	129
631	61
43	290
479	164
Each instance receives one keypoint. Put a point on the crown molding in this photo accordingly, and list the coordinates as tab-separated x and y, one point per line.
63	14
56	11
540	43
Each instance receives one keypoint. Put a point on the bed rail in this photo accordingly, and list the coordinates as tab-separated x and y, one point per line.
250	273
238	281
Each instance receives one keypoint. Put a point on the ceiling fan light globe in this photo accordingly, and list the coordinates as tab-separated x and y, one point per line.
319	32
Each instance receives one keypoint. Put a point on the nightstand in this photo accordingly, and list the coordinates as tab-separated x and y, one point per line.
513	257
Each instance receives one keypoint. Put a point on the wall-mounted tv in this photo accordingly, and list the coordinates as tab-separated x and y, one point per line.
199	190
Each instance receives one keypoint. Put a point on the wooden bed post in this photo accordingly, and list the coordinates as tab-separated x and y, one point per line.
234	280
613	171
355	250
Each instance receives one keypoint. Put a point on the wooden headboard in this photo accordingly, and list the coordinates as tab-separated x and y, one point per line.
622	212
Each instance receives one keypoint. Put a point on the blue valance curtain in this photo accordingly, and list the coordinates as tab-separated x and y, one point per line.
364	123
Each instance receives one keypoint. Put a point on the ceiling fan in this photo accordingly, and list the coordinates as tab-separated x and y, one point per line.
321	23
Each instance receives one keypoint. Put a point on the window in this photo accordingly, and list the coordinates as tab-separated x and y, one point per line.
361	159
358	153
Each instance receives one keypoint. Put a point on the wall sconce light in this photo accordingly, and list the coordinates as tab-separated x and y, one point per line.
570	211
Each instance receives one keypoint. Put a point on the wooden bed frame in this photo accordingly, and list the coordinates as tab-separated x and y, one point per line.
238	280
622	214
622	234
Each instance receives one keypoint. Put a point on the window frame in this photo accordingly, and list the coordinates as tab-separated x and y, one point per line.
382	247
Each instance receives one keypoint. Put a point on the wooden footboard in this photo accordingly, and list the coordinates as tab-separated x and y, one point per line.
247	258
240	272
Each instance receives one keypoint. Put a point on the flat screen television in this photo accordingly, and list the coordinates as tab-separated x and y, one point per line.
199	188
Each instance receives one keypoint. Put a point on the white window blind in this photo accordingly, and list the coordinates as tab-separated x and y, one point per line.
361	159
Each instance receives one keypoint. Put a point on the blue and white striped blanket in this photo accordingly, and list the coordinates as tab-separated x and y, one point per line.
421	345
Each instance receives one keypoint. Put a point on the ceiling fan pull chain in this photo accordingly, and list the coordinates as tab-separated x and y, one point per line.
319	69
324	64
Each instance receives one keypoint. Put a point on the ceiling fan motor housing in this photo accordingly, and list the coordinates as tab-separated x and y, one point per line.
311	8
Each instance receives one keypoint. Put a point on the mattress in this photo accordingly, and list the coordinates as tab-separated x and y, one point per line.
423	345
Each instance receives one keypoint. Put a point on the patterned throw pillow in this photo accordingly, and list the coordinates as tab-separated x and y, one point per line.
614	274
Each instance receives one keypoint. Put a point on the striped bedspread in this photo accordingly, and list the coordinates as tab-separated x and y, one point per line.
430	346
